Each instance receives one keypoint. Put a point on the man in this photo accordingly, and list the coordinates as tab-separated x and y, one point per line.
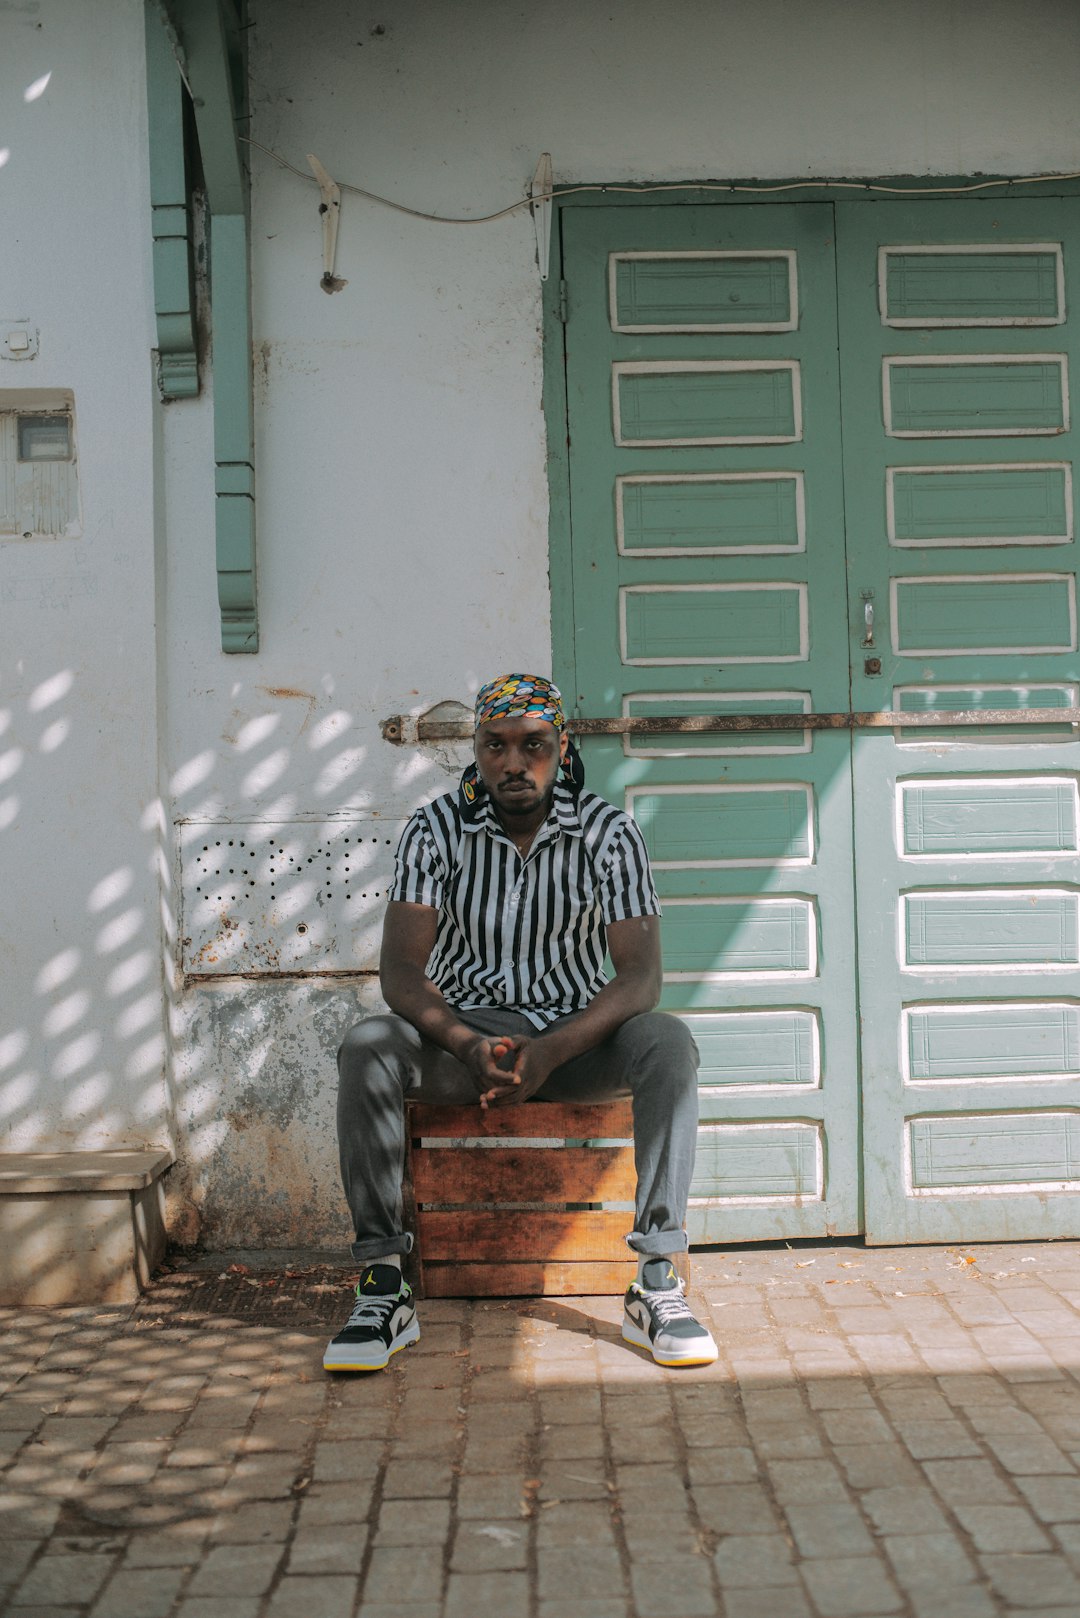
505	896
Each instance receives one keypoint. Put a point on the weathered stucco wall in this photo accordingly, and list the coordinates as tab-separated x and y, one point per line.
402	505
401	453
81	1025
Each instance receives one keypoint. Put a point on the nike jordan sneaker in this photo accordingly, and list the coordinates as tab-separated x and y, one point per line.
656	1317
383	1320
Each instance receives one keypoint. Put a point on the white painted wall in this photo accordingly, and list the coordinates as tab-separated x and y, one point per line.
401	452
81	1026
402	503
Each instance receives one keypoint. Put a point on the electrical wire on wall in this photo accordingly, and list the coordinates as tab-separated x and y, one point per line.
678	185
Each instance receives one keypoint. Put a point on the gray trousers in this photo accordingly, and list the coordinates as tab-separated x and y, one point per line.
383	1060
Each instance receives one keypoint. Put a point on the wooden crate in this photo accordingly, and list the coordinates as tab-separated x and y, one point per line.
478	1241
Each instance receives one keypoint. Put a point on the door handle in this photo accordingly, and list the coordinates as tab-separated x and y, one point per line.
868	617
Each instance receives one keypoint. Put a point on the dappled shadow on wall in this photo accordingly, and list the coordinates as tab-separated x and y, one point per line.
276	880
270	859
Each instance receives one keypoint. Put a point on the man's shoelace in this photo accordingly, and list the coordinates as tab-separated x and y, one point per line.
667	1306
371	1311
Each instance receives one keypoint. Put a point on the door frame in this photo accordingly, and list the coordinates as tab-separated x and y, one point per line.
557	299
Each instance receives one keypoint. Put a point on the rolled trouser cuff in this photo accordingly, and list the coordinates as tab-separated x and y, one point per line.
376	1247
658	1243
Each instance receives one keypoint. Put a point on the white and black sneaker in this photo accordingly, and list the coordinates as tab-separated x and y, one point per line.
383	1320
656	1317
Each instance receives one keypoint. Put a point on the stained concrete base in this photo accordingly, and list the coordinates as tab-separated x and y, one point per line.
80	1227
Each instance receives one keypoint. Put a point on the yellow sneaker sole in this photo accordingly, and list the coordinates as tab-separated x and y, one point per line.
640	1339
408	1338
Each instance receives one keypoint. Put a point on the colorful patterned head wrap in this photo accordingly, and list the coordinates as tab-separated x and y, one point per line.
520	696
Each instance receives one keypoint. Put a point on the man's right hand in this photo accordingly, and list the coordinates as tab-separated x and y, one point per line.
490	1062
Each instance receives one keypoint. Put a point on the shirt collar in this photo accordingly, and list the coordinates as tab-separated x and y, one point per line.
562	816
564	810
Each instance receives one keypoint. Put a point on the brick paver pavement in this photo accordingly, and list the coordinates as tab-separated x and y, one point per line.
886	1432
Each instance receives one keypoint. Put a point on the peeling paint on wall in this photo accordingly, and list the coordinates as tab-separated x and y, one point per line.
257	1093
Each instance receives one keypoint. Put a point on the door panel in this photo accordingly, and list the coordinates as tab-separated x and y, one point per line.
707	549
708	490
958	475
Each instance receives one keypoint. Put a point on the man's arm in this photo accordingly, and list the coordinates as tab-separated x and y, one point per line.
407	942
634	947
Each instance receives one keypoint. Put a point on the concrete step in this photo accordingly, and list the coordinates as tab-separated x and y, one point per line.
80	1227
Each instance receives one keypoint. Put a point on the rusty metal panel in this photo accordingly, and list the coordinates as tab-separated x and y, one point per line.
286	898
396	728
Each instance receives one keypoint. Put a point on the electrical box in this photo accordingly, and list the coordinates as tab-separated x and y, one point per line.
39	483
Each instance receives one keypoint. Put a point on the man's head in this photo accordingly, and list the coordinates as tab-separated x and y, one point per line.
520	740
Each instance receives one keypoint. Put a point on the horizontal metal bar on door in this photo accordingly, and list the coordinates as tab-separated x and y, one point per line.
398	728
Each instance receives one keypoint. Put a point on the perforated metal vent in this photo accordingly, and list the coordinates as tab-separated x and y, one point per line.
284	896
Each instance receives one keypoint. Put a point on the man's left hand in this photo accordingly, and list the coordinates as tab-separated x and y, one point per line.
531	1067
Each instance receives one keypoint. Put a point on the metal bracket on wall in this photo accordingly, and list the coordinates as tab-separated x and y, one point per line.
210	36
541	211
330	210
402	729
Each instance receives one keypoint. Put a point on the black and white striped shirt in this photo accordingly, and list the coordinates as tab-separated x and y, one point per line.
528	933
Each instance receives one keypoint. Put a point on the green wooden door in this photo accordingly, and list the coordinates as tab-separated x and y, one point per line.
709	494
958	343
707	534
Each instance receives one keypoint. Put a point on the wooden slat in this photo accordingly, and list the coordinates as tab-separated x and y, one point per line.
505	1236
556	1120
524	1174
526	1280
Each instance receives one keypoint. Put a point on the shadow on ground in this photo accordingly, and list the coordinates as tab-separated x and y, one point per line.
887	1431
